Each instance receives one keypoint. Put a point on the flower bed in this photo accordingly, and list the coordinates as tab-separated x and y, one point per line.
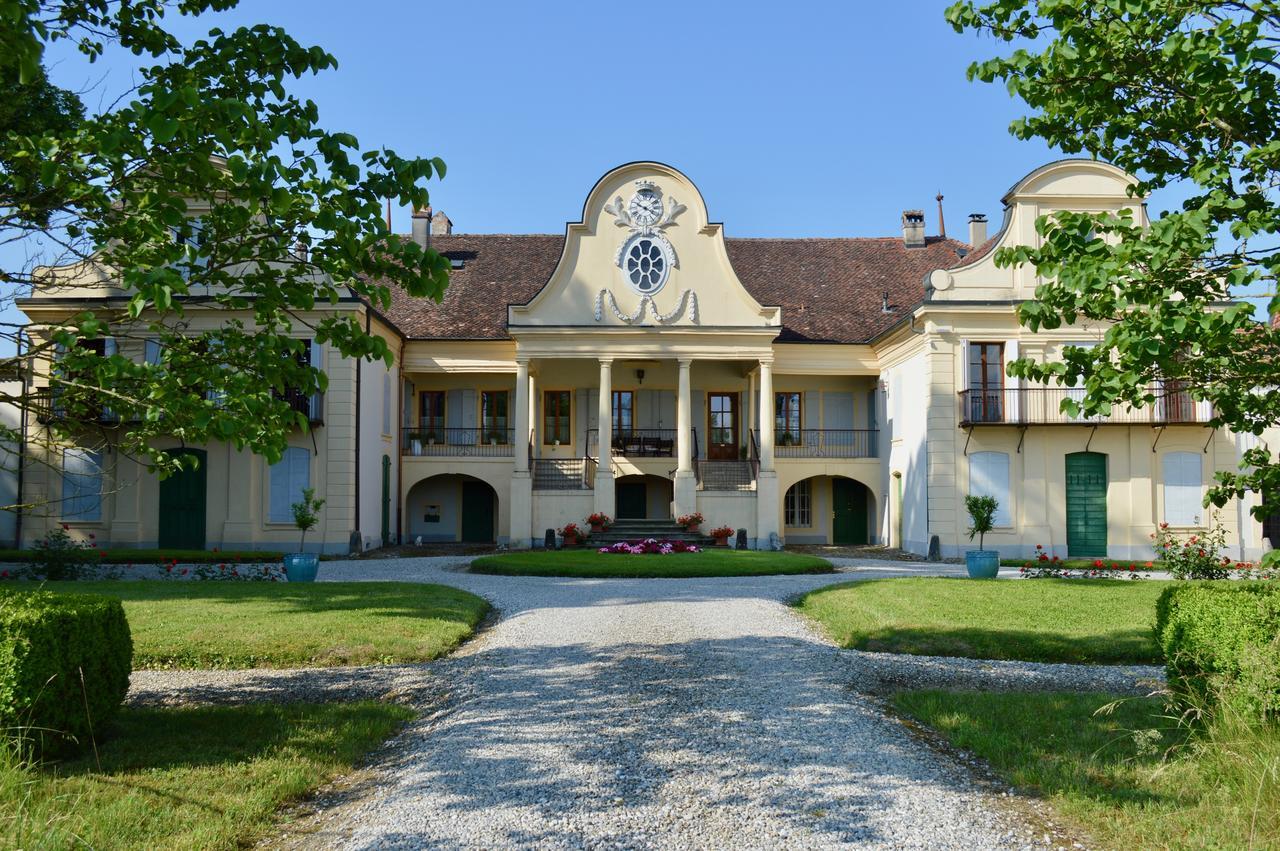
226	571
651	546
1045	566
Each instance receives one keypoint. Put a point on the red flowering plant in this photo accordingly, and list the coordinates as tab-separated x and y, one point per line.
1045	566
690	521
572	533
599	520
1198	555
58	555
722	532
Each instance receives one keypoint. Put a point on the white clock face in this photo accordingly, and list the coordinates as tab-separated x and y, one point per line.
646	207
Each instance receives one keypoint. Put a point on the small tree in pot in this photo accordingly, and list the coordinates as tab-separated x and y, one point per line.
981	563
302	566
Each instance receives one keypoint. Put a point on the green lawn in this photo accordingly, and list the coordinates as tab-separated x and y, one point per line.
589	563
1113	776
1036	620
278	625
195	777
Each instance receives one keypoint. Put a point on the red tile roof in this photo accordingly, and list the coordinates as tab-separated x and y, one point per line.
830	290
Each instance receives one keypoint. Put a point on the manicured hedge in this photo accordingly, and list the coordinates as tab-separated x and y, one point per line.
64	665
1221	643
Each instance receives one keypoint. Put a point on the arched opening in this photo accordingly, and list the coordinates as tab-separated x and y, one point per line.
452	507
829	510
643	497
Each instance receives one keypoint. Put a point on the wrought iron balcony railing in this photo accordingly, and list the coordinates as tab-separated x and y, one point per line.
637	442
1043	406
469	442
825	443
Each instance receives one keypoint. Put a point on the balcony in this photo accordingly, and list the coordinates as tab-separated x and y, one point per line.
637	443
826	443
49	408
457	442
1043	406
564	474
311	406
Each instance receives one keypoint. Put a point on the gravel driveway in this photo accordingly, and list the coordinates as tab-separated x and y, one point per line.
696	713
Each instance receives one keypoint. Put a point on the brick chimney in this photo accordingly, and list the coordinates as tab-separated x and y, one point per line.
977	229
440	224
422	226
913	228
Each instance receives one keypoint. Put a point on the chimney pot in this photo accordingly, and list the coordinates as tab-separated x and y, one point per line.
421	226
440	224
913	228
977	229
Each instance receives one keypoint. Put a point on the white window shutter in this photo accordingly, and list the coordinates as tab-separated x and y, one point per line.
299	474
316	355
1182	486
278	509
81	484
964	365
1014	385
989	476
151	352
109	346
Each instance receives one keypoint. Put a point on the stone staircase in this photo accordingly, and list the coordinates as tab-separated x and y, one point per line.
638	530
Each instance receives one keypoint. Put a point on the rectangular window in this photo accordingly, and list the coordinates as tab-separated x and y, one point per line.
623	407
556	425
289	477
81	484
494	421
431	411
989	476
986	382
797	505
786	418
1182	488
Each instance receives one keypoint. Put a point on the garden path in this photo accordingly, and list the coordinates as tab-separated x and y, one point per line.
687	713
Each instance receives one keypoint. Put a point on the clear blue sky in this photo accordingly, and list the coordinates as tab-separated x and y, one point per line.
799	119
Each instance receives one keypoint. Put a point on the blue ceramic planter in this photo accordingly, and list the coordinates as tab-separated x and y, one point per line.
982	564
301	567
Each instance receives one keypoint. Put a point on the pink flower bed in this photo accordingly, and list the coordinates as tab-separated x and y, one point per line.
651	546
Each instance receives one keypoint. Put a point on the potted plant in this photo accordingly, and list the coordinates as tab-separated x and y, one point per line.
572	534
690	522
722	535
302	566
981	563
494	437
788	439
600	521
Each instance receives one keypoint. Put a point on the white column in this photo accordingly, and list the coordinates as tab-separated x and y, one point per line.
520	534
533	407
684	439
768	504
686	485
521	438
751	409
766	415
604	490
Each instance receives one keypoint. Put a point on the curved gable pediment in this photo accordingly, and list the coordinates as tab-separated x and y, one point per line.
644	255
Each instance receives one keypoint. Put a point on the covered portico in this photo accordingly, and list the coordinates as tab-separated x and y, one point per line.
734	361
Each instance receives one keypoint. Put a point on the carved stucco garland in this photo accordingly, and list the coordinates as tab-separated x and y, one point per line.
687	298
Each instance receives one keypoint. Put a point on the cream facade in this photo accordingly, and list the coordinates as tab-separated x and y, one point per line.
646	367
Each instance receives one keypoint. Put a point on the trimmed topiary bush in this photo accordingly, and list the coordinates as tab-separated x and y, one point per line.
64	666
1221	643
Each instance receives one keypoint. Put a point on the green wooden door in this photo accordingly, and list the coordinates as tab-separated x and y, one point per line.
477	513
848	512
182	505
1087	504
631	500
